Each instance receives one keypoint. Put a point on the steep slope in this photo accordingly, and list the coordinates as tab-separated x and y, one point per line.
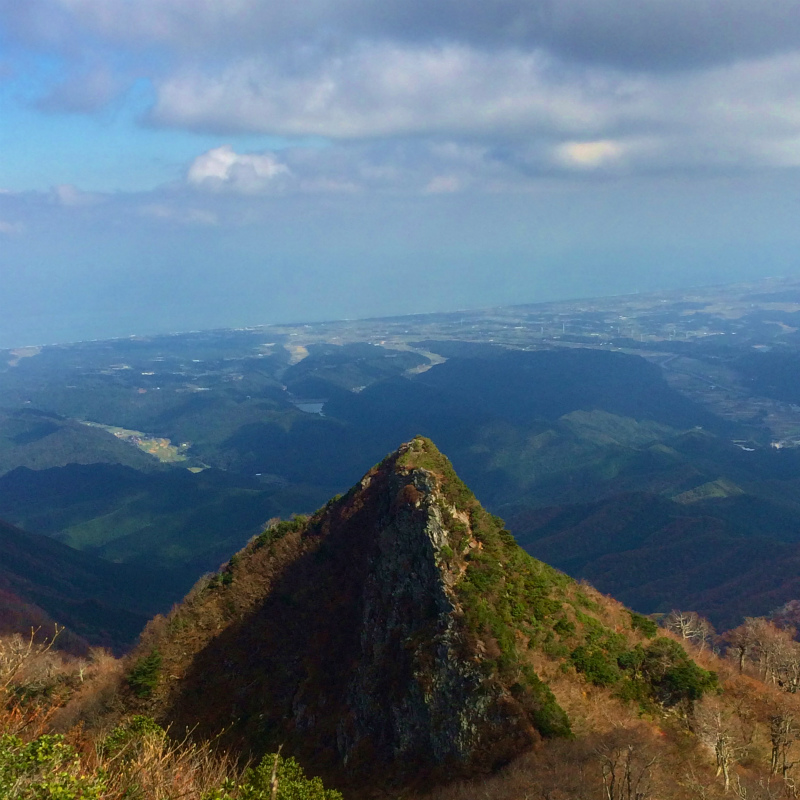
726	558
389	639
43	581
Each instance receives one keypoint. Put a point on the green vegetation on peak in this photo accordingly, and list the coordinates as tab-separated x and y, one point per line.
422	453
505	595
513	603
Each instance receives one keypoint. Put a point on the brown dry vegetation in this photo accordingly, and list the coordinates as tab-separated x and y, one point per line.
44	757
620	752
623	753
743	742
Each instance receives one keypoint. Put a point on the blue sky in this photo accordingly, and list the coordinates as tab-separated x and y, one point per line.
176	164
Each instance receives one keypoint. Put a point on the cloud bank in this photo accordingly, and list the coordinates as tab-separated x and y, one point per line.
632	85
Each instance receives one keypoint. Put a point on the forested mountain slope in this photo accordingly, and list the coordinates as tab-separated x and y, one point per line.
43	581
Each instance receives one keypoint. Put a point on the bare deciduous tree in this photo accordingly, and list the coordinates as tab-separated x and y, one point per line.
718	729
691	626
769	651
741	641
626	771
16	652
761	789
783	731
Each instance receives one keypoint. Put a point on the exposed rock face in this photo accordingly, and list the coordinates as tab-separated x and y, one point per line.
346	640
437	708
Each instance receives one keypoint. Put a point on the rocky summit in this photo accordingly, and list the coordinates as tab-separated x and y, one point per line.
390	638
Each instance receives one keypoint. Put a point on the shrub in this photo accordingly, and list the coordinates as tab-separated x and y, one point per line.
555	649
644	624
631	661
672	676
535	695
564	627
280	529
143	677
292	782
596	665
446	552
45	769
129	732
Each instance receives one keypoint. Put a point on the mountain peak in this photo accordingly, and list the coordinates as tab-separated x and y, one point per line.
390	637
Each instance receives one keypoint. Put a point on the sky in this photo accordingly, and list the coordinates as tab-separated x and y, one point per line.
171	165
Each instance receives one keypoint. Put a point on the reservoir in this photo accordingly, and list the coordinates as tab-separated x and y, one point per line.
310	406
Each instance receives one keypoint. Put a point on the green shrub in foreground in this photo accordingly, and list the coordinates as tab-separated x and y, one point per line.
48	768
45	769
130	732
292	783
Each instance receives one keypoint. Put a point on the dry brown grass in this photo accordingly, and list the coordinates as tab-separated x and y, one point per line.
92	703
43	691
155	767
671	758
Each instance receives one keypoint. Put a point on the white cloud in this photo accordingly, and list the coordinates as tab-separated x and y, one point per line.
224	169
387	90
588	155
572	85
583	117
70	196
514	88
